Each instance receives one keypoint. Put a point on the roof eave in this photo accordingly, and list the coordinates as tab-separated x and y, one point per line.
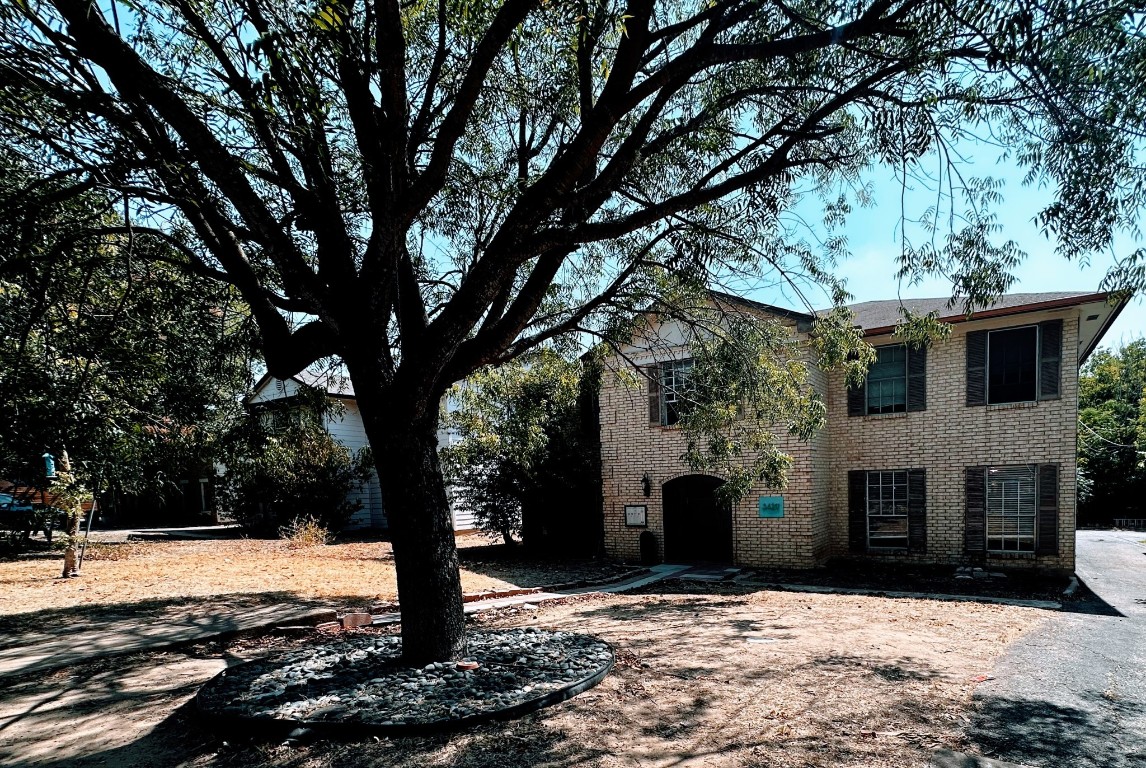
986	314
1102	330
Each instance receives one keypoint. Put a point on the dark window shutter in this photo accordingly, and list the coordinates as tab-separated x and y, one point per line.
653	373
857	510
916	378
975	521
1050	359
857	400
977	368
1048	510
917	510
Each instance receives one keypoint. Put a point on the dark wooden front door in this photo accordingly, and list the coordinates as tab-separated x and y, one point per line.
697	526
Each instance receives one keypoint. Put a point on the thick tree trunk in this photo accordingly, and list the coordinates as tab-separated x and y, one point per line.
425	556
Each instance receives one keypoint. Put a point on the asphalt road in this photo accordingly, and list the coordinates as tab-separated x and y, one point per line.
1073	692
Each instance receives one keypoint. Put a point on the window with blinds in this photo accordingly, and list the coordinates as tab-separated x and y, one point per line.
1011	508
887	510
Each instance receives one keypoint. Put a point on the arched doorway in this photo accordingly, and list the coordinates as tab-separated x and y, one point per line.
696	525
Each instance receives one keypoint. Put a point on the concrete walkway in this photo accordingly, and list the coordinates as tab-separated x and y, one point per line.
656	573
1073	692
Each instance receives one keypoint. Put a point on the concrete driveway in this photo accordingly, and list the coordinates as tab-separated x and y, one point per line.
1073	692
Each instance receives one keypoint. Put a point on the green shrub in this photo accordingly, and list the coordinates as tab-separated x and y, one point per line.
284	472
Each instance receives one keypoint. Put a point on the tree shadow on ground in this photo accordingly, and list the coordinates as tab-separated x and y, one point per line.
899	670
1041	733
526	568
660	609
51	639
78	716
74	620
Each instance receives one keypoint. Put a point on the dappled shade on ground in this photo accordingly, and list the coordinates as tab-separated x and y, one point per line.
766	678
155	577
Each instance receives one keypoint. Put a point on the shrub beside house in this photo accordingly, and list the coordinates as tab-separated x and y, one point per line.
275	397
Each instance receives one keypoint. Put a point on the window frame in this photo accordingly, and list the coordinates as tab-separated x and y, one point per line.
672	407
1003	516
987	364
895	407
899	480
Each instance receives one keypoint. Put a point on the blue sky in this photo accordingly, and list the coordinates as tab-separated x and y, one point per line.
874	238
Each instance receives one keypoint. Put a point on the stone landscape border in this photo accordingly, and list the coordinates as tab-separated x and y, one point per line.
231	721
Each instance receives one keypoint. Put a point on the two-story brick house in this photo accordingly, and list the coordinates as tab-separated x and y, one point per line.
962	452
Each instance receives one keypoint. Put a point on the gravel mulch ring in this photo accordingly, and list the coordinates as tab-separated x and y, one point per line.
360	685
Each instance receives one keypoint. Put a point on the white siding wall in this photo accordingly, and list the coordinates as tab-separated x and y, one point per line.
348	430
462	516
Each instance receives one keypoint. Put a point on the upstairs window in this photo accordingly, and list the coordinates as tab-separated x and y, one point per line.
669	391
1015	365
887	380
674	386
896	382
1012	365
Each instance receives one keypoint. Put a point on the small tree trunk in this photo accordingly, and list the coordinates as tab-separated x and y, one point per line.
70	546
425	555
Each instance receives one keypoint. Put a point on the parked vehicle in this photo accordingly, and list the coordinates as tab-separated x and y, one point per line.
20	518
10	504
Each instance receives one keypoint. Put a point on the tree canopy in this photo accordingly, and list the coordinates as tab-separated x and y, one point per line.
1112	435
106	348
520	456
427	188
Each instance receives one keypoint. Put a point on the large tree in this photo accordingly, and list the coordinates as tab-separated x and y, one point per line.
426	188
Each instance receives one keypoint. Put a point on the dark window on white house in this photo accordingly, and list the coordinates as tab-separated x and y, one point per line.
887	510
1012	365
675	398
1011	509
887	380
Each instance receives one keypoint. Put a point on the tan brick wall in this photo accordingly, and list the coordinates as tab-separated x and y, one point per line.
631	446
950	436
944	439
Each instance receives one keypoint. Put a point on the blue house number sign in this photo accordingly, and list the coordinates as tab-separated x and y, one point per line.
771	506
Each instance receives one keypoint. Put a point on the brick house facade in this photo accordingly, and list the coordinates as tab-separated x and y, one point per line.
964	452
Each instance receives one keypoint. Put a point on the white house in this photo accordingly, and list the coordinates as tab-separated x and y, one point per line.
348	430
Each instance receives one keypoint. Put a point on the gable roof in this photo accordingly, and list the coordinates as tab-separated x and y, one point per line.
335	383
772	309
880	317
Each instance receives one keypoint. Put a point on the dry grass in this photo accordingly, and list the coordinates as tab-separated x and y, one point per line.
120	575
831	681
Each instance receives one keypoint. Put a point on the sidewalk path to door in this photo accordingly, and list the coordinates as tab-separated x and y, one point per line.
1073	692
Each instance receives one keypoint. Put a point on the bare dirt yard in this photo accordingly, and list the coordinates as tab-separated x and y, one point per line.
750	678
160	579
